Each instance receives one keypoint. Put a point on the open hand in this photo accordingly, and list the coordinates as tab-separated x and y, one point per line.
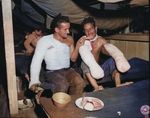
81	41
99	88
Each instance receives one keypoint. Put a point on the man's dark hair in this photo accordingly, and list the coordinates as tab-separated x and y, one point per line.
57	21
88	20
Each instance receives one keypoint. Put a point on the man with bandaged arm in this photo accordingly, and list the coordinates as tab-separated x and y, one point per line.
56	50
90	52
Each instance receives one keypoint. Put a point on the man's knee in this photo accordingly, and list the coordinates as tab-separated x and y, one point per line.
61	86
77	85
78	81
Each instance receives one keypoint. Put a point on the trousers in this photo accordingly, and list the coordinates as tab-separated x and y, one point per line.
139	68
64	80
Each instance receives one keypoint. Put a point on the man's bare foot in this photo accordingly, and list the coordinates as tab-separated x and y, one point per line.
124	84
99	88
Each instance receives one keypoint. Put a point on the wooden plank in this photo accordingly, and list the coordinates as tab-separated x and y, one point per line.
143	50
131	49
10	59
113	42
122	46
130	37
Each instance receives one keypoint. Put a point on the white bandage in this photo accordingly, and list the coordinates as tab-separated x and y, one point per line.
89	60
121	62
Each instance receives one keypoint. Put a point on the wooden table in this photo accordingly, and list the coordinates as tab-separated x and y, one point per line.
71	111
125	101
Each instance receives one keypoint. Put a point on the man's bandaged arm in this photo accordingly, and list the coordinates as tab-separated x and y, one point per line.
104	51
89	60
121	62
37	59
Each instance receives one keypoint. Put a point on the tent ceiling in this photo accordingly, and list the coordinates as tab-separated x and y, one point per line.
130	2
77	11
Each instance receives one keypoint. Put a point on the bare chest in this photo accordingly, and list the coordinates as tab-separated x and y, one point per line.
35	40
95	46
65	41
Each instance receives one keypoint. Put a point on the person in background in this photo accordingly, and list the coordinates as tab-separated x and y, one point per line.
56	50
32	39
97	45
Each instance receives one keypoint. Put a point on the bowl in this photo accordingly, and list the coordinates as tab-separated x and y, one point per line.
61	99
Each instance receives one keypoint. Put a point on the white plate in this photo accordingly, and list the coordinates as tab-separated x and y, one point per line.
22	106
78	102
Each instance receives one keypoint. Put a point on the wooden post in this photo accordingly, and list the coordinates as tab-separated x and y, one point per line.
10	59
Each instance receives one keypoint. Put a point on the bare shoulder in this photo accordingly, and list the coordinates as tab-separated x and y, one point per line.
102	40
31	36
70	39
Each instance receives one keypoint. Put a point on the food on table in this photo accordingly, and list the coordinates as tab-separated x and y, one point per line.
91	104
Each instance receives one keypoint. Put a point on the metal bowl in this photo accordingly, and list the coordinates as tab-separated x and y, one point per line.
61	99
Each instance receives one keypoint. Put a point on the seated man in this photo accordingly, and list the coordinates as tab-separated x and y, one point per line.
57	49
32	39
94	45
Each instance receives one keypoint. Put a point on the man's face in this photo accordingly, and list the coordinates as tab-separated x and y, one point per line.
64	30
38	32
90	31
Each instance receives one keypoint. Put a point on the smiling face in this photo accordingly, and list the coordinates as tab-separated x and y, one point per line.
63	30
90	31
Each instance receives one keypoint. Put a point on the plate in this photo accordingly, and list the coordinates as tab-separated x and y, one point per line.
78	102
29	104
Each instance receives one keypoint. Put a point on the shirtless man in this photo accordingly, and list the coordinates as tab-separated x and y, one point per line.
97	45
31	40
57	49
